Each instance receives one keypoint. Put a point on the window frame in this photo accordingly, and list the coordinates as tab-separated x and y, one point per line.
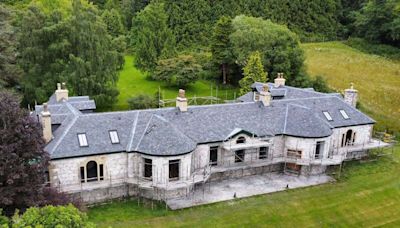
147	163
84	143
177	163
241	140
114	133
264	156
83	172
327	115
242	156
215	150
344	114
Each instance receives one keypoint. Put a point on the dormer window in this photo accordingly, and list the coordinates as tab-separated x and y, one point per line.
344	114
82	140
114	137
241	140
327	115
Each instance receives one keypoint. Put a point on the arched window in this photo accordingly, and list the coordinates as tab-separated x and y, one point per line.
92	172
241	139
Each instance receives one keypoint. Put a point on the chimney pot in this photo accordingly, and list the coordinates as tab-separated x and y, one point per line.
265	95
351	96
46	123
279	80
181	101
61	92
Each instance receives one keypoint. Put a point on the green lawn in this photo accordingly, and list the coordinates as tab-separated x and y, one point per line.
367	195
377	78
133	82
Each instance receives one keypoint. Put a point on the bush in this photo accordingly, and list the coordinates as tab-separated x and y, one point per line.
52	216
142	101
320	84
4	222
180	71
383	50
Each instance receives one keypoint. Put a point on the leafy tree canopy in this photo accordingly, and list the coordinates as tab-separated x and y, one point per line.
180	71
10	73
379	21
74	47
278	46
23	159
113	21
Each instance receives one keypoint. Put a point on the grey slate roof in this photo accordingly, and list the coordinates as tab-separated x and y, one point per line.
167	131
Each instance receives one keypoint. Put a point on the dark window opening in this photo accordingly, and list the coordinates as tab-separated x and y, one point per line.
241	140
319	148
263	153
148	168
91	171
239	156
82	174
349	140
343	136
174	169
214	155
101	172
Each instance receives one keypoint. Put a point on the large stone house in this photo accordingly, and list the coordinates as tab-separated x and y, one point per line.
166	152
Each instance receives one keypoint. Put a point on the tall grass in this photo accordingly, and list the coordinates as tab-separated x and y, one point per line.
376	78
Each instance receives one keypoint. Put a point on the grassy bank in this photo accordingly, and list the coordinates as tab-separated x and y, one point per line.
133	82
377	78
367	195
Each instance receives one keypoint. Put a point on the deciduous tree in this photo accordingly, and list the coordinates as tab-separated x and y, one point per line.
279	47
71	45
22	157
180	71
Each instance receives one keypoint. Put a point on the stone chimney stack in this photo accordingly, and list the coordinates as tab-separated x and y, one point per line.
279	81
181	101
265	95
46	123
351	96
61	92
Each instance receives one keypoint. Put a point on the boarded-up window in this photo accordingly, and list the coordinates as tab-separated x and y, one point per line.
239	156
294	154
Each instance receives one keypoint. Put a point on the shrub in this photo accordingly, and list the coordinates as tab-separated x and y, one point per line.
52	216
142	101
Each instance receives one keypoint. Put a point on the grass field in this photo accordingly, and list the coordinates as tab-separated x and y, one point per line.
133	82
368	195
376	78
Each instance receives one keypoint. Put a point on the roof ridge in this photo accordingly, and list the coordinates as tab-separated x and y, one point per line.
144	132
133	131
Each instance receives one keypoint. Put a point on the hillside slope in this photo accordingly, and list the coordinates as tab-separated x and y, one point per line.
376	78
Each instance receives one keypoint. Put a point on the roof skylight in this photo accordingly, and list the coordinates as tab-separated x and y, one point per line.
82	140
114	137
327	115
344	114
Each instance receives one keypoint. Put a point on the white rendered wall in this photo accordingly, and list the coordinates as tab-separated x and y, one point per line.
307	146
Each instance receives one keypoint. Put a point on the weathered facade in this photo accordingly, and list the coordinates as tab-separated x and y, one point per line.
166	153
